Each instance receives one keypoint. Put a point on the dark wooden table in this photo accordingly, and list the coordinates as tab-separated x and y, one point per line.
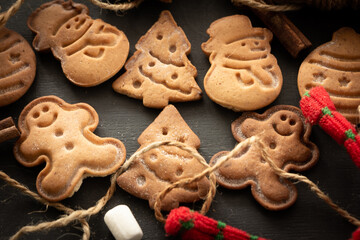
125	118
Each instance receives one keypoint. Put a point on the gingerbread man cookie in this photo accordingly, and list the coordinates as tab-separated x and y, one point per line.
91	51
158	168
335	65
244	75
286	134
61	135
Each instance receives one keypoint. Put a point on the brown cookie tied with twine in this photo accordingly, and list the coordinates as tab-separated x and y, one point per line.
244	75
91	51
151	172
17	66
61	135
286	134
160	71
335	65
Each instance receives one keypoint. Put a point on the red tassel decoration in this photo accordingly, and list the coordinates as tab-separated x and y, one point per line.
194	226
356	235
318	108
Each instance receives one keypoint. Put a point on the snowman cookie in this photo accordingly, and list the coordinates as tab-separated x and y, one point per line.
91	51
61	135
244	75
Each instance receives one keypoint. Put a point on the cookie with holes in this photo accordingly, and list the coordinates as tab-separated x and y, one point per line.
17	66
61	135
244	75
159	71
283	130
335	65
153	171
91	51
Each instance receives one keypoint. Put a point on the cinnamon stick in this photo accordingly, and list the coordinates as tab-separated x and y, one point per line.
288	34
8	130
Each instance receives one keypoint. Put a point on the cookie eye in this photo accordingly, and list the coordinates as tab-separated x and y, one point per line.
69	146
151	64
283	117
243	44
140	180
272	145
59	132
292	122
36	115
45	109
172	48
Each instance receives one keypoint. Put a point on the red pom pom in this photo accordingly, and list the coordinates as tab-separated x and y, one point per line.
353	148
356	234
174	219
313	102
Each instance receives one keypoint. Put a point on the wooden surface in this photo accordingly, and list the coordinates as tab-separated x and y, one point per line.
125	118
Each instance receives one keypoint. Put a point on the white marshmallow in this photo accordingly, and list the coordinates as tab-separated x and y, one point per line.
122	223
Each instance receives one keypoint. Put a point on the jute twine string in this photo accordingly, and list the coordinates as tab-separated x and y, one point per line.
313	187
122	7
59	206
4	16
280	6
81	215
291	5
209	171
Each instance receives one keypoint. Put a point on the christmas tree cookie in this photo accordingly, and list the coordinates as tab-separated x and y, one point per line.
160	71
244	75
158	168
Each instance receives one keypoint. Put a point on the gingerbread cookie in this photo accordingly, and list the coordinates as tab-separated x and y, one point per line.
335	65
158	168
243	75
284	130
17	66
160	71
91	51
61	135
